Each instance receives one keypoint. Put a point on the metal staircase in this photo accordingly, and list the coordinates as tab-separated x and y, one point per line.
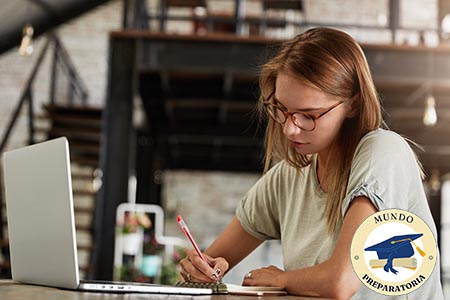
81	124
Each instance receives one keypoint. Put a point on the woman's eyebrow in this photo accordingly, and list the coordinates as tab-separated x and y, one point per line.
309	109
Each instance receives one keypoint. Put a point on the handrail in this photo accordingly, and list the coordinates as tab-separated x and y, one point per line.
24	97
76	86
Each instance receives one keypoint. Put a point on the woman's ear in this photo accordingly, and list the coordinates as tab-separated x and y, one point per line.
353	106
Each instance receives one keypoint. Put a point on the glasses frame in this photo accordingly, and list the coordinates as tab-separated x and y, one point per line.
288	114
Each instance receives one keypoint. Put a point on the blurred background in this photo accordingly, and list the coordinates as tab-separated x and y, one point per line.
157	100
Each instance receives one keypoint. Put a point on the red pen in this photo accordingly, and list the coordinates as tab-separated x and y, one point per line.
186	231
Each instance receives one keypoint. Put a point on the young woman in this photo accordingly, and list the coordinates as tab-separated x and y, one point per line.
330	166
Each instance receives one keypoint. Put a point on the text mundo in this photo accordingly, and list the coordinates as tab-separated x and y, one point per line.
394	216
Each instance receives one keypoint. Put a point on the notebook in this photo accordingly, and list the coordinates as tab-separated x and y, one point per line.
233	289
41	224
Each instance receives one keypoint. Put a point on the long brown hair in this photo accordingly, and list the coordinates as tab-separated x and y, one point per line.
333	62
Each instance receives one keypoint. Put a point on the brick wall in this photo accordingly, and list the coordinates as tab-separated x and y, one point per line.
86	40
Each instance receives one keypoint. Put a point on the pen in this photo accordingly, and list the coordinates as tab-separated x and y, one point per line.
187	233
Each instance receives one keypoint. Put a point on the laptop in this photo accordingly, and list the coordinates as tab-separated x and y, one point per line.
41	223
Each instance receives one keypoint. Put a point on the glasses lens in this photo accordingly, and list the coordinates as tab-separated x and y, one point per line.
276	113
303	121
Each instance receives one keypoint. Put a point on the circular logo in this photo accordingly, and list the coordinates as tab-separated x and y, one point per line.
393	252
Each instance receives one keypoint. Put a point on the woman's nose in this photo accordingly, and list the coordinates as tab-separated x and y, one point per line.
289	128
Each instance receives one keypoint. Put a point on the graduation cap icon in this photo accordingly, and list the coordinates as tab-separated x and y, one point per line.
398	246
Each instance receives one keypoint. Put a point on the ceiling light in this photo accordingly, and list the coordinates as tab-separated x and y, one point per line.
445	26
435	181
430	115
382	19
26	46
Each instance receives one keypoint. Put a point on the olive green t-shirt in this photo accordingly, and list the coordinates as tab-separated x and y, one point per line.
288	204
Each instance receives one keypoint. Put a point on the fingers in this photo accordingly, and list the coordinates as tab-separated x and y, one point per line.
248	278
191	273
264	276
219	264
194	269
185	276
248	275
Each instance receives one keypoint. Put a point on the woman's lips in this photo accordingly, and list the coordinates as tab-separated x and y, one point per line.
298	144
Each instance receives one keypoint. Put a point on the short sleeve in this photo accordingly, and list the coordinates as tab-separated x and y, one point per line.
385	170
258	211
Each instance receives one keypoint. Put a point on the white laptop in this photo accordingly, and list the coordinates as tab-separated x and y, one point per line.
41	224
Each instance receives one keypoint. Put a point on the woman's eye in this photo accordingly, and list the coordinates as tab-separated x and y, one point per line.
310	117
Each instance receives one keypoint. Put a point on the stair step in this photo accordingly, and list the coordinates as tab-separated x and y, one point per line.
48	118
80	191
78	176
83	170
86	133
74	109
85	148
83	210
4	243
82	227
75	120
5	265
92	162
85	248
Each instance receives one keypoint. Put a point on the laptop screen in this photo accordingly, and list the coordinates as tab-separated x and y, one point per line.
40	216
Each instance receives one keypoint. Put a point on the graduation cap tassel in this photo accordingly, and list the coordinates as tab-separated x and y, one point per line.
419	250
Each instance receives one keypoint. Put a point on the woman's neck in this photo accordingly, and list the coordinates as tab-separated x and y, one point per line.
321	171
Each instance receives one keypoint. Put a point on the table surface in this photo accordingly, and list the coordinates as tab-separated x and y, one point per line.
10	290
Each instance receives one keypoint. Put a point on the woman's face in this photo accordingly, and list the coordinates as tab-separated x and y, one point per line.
293	95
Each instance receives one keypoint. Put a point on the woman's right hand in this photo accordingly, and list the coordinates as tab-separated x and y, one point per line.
194	269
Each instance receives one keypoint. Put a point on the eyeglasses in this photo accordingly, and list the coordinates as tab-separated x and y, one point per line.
300	119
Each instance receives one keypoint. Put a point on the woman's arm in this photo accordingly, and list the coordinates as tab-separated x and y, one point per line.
230	247
334	278
234	244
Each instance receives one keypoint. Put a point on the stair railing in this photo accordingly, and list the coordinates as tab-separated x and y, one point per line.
76	90
76	86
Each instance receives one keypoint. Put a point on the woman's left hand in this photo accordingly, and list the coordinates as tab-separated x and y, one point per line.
267	276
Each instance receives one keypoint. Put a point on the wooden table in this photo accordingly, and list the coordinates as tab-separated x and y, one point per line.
9	290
